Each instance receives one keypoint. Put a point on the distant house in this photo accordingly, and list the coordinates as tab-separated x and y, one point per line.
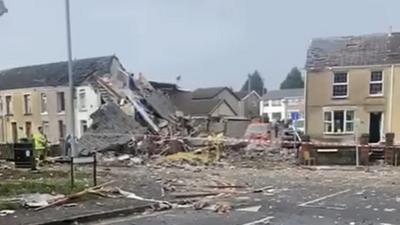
249	104
283	104
213	93
208	108
38	95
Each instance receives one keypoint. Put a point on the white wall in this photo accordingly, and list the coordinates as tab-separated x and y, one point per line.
92	104
269	109
285	108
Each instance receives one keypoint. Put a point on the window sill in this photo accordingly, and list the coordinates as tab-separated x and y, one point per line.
44	113
9	114
339	97
338	134
27	114
61	113
83	110
376	96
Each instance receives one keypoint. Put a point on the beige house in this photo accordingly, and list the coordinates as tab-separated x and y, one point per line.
353	87
38	95
24	110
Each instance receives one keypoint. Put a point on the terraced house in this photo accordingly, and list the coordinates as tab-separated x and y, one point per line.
353	87
38	95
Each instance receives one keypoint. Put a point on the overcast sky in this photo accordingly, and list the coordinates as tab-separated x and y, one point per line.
207	42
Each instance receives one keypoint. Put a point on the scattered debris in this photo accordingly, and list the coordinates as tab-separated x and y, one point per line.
38	200
250	209
68	198
6	212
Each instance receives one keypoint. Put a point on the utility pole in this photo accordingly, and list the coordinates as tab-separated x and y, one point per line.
71	81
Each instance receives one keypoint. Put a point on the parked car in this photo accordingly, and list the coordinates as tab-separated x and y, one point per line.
299	125
290	135
258	131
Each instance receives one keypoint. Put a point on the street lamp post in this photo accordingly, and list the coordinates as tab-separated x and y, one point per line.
71	81
71	91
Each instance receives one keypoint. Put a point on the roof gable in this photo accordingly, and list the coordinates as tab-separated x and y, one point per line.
209	93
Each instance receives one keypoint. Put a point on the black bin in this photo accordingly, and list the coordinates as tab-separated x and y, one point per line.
23	155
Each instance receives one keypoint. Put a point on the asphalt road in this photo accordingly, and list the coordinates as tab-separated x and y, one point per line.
295	204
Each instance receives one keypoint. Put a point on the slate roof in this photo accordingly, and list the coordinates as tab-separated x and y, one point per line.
202	107
53	74
208	93
284	93
372	49
241	94
163	86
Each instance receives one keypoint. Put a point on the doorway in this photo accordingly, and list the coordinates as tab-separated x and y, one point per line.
14	132
375	121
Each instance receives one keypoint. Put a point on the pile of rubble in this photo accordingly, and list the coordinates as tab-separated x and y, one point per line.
138	122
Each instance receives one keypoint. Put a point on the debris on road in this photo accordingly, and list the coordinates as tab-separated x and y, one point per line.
6	212
71	197
38	200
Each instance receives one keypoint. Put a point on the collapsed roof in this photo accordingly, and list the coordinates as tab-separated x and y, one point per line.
372	49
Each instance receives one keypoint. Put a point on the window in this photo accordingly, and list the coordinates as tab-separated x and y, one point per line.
9	105
340	83
28	129
1	106
82	100
276	103
276	116
43	103
376	83
83	126
27	104
293	101
60	102
339	121
266	103
61	129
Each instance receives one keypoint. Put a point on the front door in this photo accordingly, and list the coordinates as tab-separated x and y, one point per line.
14	132
375	119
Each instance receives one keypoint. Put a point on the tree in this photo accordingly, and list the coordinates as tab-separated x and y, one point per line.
256	83
293	80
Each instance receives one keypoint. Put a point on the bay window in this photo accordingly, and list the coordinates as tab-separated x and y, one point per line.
339	121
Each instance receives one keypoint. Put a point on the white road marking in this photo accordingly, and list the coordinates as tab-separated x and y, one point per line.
266	219
324	197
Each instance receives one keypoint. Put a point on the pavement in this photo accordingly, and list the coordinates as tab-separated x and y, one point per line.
298	197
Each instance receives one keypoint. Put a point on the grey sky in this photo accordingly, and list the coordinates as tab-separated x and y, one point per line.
207	42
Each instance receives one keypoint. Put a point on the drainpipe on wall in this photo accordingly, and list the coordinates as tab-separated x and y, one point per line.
391	99
305	102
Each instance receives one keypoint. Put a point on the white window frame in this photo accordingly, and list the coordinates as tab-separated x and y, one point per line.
82	107
9	110
376	82
60	111
44	104
27	105
345	121
276	101
340	83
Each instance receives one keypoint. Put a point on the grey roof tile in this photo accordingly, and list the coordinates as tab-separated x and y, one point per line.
53	74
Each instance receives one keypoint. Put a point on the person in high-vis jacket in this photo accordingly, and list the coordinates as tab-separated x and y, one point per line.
40	145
